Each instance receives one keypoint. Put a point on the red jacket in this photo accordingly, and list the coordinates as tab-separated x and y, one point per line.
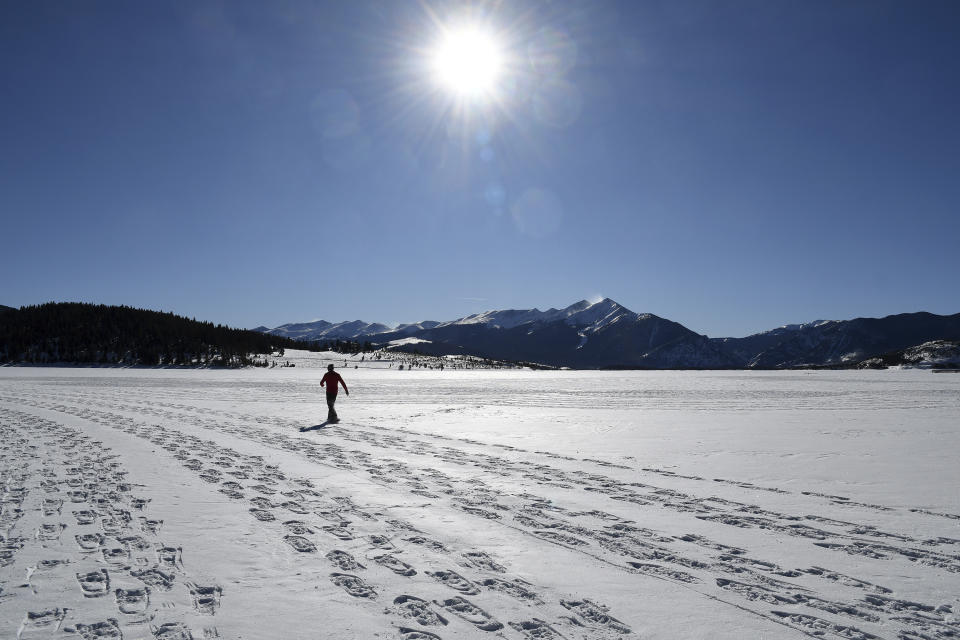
333	378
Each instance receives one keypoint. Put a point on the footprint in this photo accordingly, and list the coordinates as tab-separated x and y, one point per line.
836	608
560	538
471	613
170	557
43	619
109	629
90	541
264	489
95	583
855	549
417	634
295	507
50	532
812	625
111	526
517	589
484	561
211	475
85	516
172	631
52	506
755	592
339	532
353	585
133	600
396	565
536	629
231	489
117	557
595	614
419	610
455	581
381	542
206	599
262	502
299	528
344	560
134	543
433	545
263	515
155	578
663	572
846	580
898	606
332	515
300	543
402	525
150	526
477	511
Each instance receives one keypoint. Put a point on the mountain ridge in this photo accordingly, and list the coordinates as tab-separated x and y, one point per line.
323	330
605	334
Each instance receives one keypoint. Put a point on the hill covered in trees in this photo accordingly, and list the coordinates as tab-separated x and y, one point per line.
72	332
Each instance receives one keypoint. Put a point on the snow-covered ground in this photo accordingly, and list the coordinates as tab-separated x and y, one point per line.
382	359
479	504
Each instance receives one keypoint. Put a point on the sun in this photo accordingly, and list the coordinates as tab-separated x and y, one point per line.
468	61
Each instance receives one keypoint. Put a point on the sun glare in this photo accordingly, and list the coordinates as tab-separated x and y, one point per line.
468	62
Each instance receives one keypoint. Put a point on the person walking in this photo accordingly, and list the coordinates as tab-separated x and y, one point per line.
331	379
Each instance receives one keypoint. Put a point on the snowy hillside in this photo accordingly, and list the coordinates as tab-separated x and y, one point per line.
411	329
937	354
849	342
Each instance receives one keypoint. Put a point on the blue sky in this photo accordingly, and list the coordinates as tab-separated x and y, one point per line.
732	166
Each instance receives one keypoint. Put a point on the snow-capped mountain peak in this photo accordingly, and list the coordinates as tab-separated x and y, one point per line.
323	330
412	328
597	315
606	334
506	319
791	328
584	314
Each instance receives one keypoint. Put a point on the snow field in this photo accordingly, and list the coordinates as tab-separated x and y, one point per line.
479	504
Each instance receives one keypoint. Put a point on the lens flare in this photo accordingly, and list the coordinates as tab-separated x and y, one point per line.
468	61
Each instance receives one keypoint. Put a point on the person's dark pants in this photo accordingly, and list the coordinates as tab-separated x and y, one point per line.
331	413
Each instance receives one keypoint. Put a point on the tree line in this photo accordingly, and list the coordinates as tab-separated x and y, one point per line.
82	333
340	346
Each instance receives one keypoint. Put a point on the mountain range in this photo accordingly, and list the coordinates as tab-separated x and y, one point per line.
605	334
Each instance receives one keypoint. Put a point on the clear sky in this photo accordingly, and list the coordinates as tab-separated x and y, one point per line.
732	166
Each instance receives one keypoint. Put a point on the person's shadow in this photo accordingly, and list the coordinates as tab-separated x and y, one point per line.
314	427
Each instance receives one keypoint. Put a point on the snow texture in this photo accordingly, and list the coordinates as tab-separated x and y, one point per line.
151	503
